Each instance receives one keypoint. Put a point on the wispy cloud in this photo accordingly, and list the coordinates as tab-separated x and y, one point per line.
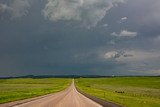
138	56
4	8
113	54
123	19
105	25
16	9
117	54
124	33
20	8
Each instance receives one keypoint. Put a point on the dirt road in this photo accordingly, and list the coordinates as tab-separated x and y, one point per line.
67	98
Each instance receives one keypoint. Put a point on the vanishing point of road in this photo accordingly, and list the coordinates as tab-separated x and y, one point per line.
67	98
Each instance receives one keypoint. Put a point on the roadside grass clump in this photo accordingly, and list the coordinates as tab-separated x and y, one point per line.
23	88
127	91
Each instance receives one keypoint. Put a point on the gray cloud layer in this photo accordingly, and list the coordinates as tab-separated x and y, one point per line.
31	44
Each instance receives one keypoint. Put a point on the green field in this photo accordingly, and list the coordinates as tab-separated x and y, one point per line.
16	89
127	91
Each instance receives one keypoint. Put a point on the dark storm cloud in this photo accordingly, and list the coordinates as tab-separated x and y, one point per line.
58	44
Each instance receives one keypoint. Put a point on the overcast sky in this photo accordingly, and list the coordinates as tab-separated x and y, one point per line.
101	37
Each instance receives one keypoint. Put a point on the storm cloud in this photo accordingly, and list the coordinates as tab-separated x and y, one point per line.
102	37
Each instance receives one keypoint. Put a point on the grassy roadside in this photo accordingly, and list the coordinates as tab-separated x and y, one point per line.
17	89
128	91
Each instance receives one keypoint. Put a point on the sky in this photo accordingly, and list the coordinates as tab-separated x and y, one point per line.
79	37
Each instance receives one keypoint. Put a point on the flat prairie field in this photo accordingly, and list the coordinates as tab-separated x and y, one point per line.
127	91
23	88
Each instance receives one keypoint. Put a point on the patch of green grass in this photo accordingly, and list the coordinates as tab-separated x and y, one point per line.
127	91
22	88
